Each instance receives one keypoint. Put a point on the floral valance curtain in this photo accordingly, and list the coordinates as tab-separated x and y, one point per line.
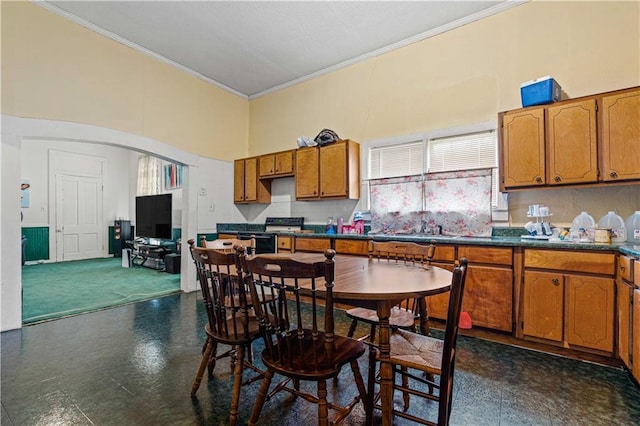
149	169
459	202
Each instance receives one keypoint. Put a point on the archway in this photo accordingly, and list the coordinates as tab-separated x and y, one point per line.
14	131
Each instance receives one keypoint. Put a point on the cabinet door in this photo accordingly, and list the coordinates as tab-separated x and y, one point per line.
307	173
487	297
625	303
267	165
635	339
437	306
590	310
238	181
333	170
571	143
522	146
284	163
543	295
251	179
620	136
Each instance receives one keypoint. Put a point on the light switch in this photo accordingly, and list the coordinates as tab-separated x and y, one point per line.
203	192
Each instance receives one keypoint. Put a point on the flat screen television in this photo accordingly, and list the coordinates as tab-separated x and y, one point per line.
153	216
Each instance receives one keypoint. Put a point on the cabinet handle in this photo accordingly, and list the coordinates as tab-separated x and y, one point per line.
557	178
555	282
538	179
621	268
613	174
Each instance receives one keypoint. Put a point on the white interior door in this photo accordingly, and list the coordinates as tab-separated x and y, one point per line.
78	217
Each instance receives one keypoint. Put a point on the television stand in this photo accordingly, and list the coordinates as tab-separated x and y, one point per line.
149	256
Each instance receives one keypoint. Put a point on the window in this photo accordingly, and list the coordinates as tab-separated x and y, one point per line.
148	175
422	154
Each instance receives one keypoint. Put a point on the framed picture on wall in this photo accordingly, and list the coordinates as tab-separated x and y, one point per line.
172	176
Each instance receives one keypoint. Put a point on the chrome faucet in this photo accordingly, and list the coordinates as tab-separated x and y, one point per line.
427	229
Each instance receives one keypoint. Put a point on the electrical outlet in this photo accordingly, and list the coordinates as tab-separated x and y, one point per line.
203	192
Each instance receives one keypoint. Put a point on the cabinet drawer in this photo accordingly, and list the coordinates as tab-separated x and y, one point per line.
636	272
596	263
285	243
312	244
226	236
625	268
493	255
360	247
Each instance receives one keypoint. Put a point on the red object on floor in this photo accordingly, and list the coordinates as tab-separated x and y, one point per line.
465	320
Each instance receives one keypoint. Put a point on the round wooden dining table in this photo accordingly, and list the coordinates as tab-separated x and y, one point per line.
380	285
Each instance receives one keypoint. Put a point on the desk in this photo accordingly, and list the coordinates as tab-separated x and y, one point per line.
379	284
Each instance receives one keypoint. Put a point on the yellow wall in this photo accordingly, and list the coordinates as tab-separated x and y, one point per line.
55	69
461	77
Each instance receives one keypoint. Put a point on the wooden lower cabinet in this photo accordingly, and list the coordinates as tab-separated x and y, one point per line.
543	305
488	289
589	321
312	244
358	247
574	310
624	303
635	371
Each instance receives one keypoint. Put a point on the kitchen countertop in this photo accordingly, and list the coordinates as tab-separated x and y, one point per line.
504	241
493	241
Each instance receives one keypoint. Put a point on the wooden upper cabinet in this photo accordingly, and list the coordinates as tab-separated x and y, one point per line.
620	138
308	173
279	164
522	148
340	170
571	143
328	171
591	140
247	188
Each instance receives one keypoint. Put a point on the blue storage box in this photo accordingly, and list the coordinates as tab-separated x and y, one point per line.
543	90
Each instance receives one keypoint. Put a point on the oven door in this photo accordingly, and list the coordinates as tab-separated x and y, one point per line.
266	242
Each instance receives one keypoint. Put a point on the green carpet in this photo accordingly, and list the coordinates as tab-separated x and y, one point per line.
55	290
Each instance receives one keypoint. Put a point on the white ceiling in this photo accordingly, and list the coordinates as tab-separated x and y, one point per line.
253	47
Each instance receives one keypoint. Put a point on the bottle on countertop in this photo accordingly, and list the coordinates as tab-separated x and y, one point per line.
340	225
615	223
633	228
584	227
330	229
358	223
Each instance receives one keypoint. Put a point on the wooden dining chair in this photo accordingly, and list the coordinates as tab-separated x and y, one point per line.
403	315
230	320
300	342
411	352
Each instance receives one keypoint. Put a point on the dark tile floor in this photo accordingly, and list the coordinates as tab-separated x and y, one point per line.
133	365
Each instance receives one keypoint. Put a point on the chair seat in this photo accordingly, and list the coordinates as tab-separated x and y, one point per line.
398	318
416	351
345	351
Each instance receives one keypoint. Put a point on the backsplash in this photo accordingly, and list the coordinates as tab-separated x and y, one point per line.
566	203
